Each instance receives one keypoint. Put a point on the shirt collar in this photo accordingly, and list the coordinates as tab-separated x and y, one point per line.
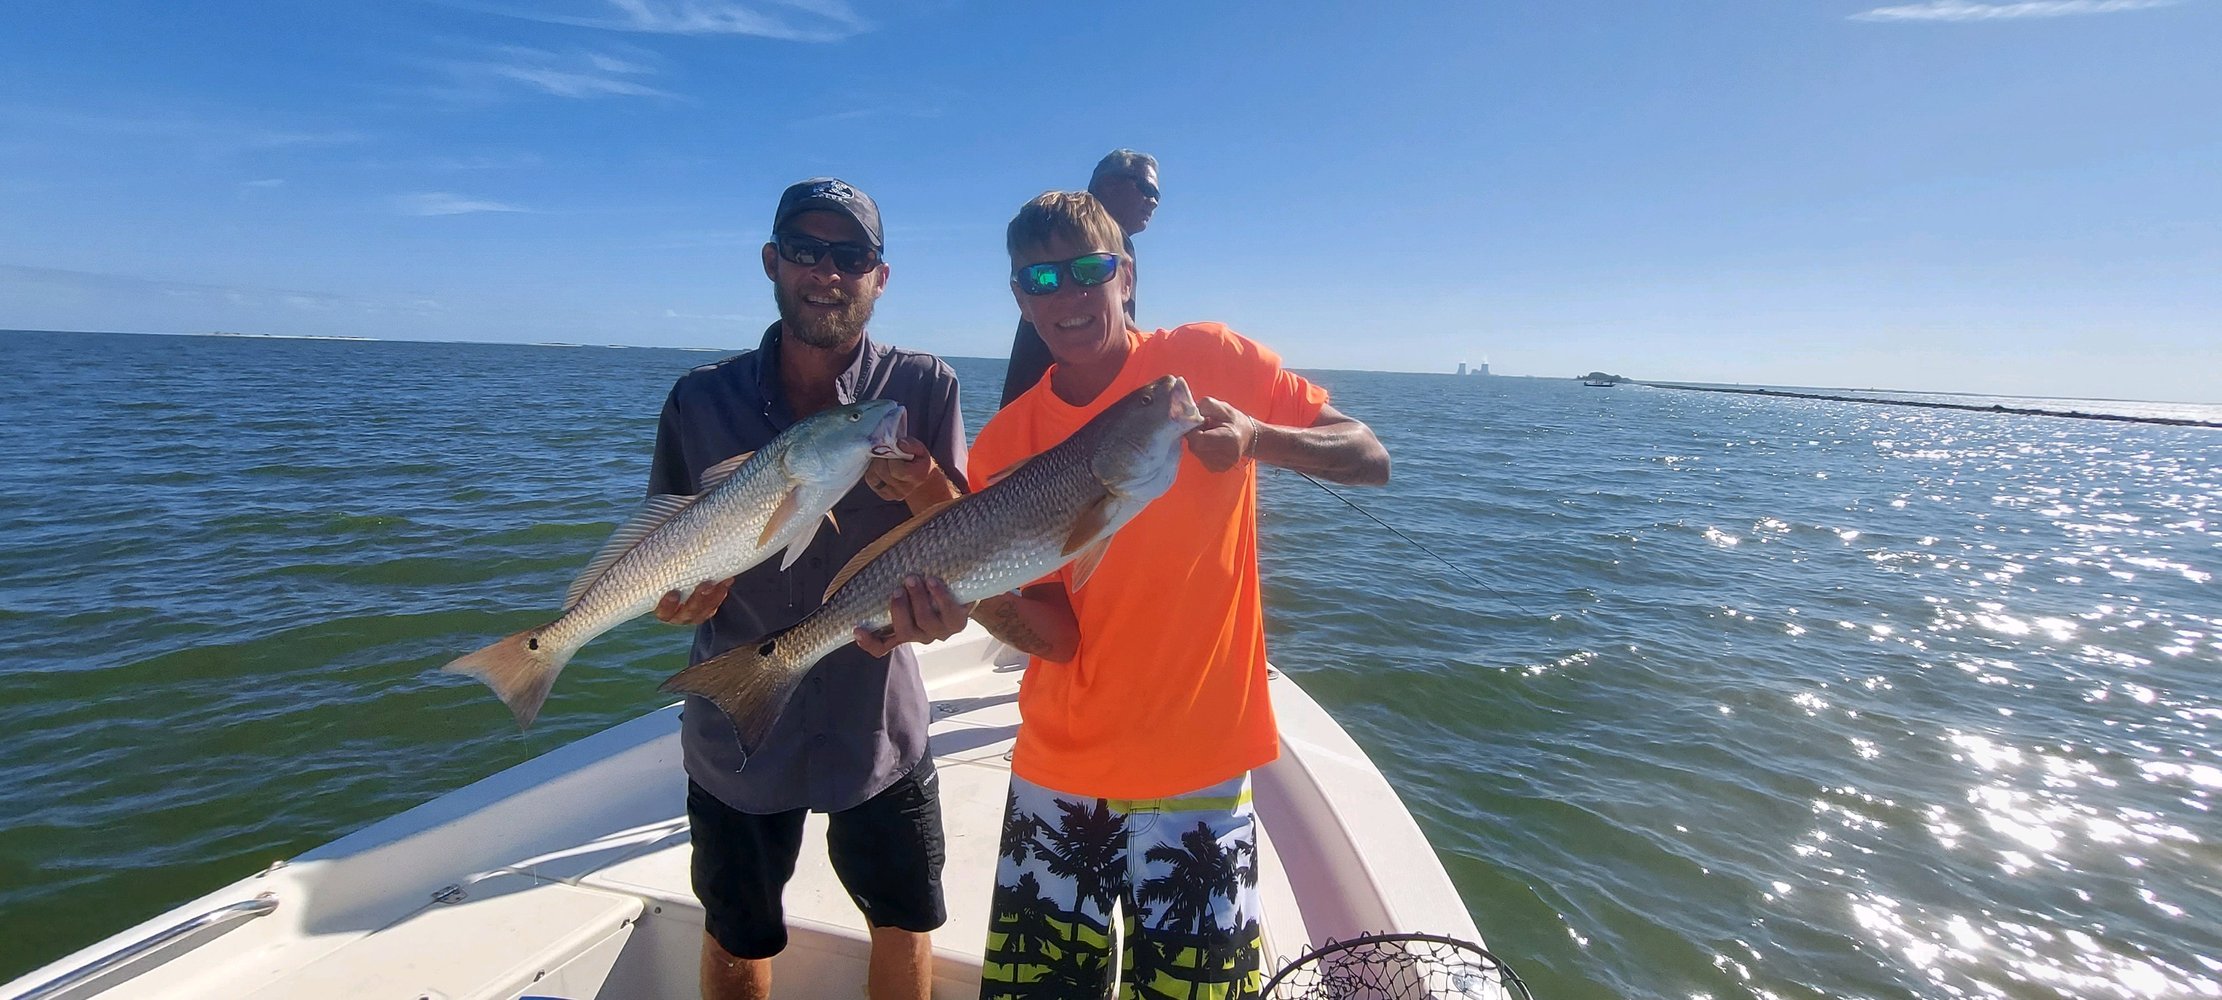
853	379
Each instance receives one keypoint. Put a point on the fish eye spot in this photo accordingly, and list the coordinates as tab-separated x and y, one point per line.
533	643
854	417
765	649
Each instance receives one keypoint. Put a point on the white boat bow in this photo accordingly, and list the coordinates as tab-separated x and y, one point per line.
567	875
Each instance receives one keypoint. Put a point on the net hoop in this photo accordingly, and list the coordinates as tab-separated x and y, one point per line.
1334	980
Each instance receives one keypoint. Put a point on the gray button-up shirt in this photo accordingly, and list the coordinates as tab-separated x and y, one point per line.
857	722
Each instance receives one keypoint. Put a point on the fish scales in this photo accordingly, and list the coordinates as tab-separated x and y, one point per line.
1033	516
1060	505
710	540
750	508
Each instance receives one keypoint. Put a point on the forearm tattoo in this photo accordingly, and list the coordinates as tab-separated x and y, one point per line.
1003	620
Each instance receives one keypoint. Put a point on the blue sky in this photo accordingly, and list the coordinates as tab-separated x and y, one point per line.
2017	197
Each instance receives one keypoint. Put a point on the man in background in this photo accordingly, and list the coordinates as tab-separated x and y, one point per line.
1125	182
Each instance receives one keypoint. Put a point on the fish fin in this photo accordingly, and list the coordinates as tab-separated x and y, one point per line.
884	542
802	541
785	512
716	475
1006	471
750	684
519	670
1093	518
652	515
832	520
1085	565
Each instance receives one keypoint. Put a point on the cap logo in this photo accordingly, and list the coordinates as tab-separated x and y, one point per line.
829	193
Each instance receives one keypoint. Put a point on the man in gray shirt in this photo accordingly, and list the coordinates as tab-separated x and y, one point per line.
852	742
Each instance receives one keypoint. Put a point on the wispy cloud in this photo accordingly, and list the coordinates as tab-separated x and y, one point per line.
458	162
922	101
281	138
503	70
444	203
715	238
486	161
864	114
121	287
714	317
210	137
1965	10
788	20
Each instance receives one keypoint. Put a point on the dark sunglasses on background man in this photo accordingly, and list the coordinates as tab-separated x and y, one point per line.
1148	189
848	258
1086	270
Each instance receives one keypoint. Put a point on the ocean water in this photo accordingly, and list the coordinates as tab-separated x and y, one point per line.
1719	696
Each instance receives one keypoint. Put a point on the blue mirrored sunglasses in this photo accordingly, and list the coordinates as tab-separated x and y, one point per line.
1085	270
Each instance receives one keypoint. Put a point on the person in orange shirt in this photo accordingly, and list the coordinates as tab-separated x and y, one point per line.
1144	707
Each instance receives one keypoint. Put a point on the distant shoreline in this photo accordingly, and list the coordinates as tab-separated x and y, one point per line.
1755	389
232	335
276	336
1934	405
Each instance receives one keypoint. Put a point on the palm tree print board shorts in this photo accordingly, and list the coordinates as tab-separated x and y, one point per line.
1182	870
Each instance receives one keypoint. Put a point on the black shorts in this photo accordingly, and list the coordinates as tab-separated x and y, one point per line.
887	851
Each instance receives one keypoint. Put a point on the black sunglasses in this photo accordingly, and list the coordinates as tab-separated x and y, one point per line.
1085	270
1148	189
848	258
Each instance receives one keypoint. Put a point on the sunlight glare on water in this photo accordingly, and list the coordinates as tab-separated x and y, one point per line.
1972	648
1759	697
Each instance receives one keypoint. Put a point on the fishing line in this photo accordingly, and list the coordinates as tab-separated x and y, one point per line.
1415	543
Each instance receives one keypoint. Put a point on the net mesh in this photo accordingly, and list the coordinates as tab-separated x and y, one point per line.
1397	967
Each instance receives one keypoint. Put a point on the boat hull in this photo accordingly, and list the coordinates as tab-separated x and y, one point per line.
568	875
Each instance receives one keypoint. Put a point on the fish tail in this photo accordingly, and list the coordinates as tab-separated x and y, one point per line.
520	669
750	684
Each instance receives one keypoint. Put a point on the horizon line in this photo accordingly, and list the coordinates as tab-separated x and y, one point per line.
337	338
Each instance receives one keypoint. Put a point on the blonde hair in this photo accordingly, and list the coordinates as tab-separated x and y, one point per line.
1074	215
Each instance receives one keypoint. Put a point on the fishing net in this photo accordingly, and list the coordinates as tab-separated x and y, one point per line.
1397	967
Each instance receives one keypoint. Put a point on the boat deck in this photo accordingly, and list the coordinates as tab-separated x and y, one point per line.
976	720
568	875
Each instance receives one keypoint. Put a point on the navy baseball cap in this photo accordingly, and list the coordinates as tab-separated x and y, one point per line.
832	195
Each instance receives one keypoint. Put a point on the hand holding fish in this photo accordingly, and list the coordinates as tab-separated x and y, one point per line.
922	611
694	608
1060	506
1226	437
907	478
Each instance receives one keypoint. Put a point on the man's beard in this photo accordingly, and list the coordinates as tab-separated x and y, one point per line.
828	331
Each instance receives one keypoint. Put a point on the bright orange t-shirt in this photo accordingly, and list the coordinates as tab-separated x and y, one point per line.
1167	693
